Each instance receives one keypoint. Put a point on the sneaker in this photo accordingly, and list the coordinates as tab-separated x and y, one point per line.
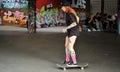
67	63
72	65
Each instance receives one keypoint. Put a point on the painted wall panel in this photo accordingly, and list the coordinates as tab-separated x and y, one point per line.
55	3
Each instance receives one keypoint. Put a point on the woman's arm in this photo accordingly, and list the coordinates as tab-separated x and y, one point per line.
70	26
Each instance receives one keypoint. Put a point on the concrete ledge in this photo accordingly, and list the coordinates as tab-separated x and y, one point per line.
13	28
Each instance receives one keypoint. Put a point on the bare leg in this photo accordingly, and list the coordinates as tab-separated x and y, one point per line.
72	40
67	49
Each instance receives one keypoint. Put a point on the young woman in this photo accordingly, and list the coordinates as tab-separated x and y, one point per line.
72	30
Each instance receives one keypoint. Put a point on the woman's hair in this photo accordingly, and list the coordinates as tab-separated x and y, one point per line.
71	10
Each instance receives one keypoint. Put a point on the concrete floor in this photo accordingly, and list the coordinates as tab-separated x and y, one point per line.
40	52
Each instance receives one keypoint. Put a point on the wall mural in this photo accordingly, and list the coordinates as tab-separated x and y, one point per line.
79	4
14	4
46	16
15	17
53	17
14	12
0	17
49	17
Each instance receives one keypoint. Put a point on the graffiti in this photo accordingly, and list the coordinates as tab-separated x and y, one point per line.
16	17
79	4
49	17
0	21
14	4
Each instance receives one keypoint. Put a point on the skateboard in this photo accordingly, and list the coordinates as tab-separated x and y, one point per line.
81	66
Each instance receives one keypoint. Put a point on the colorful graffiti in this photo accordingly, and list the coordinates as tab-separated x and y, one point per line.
49	17
0	21
0	17
14	4
17	17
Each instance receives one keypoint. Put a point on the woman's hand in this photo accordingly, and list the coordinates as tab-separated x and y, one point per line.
64	30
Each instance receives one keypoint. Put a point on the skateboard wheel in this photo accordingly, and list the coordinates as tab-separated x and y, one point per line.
82	68
64	69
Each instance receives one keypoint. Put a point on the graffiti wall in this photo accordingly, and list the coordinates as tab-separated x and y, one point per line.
0	17
48	13
14	12
54	3
14	16
49	17
14	3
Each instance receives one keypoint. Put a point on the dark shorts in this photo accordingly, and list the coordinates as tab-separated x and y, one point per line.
72	33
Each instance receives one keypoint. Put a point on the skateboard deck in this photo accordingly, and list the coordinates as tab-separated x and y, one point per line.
81	66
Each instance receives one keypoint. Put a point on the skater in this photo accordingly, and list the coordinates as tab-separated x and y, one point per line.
72	31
